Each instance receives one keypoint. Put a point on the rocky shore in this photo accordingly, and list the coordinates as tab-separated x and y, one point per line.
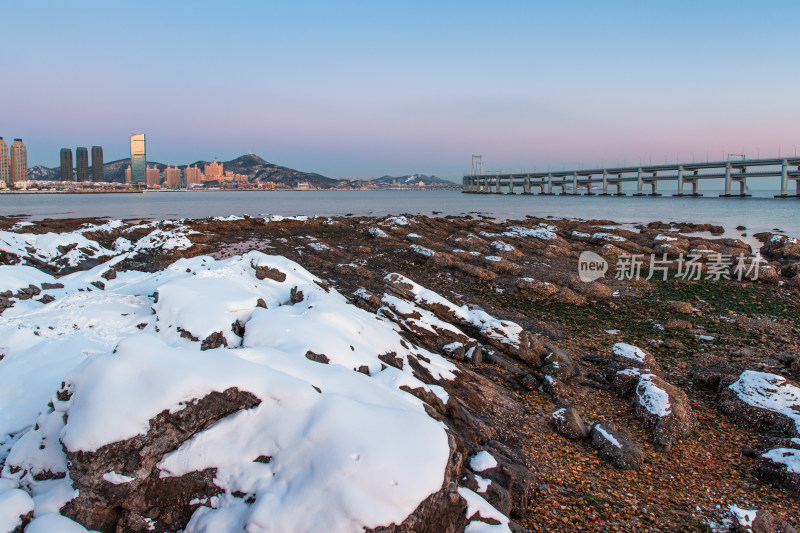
396	374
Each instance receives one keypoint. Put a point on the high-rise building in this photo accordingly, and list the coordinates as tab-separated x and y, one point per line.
193	175
138	160
5	176
19	162
66	164
97	163
128	174
81	164
172	177
213	171
153	176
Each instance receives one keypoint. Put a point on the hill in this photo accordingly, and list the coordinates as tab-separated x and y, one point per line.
414	179
256	168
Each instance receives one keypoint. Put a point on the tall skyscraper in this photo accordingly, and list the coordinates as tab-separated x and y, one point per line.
19	162
81	164
5	176
138	160
97	163
66	164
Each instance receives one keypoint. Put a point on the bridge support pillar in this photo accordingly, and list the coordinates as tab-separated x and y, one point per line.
639	182
785	182
575	183
728	180
511	185
605	184
526	188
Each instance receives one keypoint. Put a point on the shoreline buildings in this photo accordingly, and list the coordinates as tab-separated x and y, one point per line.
97	163
19	162
5	176
138	160
81	164
66	164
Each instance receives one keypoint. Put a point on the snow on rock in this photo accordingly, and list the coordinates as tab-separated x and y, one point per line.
280	218
14	504
116	479
481	461
160	239
13	278
60	250
422	250
665	238
769	391
52	522
483	483
397	221
478	508
545	233
502	246
346	450
378	233
743	517
506	336
109	226
493	258
629	352
651	397
785	456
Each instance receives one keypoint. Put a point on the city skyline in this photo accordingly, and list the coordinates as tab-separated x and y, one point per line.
376	89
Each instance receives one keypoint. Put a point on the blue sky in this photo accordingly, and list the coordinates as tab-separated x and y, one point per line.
384	87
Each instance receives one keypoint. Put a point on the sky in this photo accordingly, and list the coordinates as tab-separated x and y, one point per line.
367	88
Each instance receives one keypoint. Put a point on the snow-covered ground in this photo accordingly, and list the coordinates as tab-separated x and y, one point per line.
348	448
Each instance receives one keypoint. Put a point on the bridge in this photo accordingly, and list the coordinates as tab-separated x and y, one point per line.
646	178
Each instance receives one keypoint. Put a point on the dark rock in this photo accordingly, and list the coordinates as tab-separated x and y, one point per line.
28	292
107	507
261	303
99	284
777	473
109	274
684	308
46	299
296	296
715	377
530	382
48	286
615	447
669	423
185	334
318	357
391	359
265	272
215	340
756	417
558	364
748	451
238	329
364	369
557	389
519	482
567	423
765	522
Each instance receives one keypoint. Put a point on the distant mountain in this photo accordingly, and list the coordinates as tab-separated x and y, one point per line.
413	179
251	165
259	170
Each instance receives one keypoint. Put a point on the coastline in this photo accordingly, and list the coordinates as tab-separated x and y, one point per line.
523	272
